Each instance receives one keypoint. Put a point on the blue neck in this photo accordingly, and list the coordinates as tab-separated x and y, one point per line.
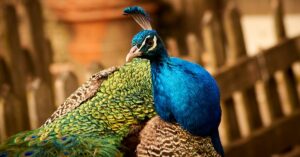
159	67
160	56
159	62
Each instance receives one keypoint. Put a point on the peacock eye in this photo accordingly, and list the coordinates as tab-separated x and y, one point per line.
149	41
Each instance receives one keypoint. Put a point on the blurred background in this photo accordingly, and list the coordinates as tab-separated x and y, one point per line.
252	47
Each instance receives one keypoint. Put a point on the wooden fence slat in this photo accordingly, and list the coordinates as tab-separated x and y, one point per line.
2	120
29	68
13	112
38	43
268	98
3	81
267	141
280	57
2	116
194	49
213	41
241	69
172	47
285	79
288	91
41	53
229	128
3	75
246	104
40	47
234	34
39	103
284	55
247	111
13	58
278	19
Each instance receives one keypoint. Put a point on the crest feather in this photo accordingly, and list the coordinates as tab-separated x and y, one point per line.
140	16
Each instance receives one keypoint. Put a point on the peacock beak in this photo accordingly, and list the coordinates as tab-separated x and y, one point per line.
134	52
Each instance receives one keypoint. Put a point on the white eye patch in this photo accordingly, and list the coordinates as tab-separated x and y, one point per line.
154	43
144	42
152	47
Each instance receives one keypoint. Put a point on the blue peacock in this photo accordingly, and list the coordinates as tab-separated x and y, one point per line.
183	92
104	116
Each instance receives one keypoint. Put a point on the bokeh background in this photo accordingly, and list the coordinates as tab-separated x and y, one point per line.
252	47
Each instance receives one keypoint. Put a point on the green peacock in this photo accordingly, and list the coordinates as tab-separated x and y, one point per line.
105	115
96	126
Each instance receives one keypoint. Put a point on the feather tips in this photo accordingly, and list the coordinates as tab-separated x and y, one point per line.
160	138
68	145
140	16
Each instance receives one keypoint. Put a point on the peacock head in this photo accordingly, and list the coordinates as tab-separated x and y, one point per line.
147	43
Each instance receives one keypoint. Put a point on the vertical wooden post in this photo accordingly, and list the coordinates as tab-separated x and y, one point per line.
40	47
3	75
245	101
269	103
229	128
12	56
278	19
41	51
267	95
214	46
213	41
2	109
288	90
2	120
285	79
13	113
194	48
10	110
172	47
234	34
40	103
38	44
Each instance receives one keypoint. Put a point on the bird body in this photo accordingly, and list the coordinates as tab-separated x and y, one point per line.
97	123
187	94
97	126
105	111
184	92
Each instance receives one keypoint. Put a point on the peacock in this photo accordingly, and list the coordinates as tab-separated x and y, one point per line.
183	92
95	119
104	116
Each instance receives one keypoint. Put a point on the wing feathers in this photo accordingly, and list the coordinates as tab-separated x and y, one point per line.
83	93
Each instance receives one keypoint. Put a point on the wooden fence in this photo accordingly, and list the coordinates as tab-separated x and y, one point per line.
260	101
26	84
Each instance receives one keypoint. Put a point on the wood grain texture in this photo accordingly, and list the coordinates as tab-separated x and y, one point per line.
267	141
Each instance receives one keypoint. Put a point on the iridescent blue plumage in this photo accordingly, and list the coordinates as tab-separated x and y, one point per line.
184	92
